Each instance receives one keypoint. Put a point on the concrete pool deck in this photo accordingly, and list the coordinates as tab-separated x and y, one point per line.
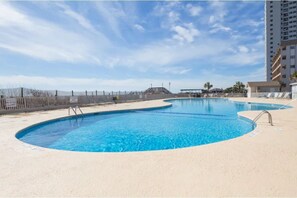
260	163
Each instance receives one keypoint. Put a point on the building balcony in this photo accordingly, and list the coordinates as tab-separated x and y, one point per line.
276	77
277	67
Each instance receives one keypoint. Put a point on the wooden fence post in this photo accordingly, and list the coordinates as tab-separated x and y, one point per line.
22	92
25	102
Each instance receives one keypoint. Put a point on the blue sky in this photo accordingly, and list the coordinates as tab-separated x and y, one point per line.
130	45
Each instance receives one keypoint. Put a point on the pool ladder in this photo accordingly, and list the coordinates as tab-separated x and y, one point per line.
260	115
76	110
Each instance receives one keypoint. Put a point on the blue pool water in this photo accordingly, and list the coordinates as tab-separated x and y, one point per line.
188	122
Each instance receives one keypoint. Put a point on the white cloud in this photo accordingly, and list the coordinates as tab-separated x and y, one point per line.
219	27
169	12
212	19
40	39
11	17
43	40
185	33
132	84
175	70
139	27
194	10
163	8
216	77
243	58
173	16
161	56
219	12
113	15
79	18
254	23
243	49
90	84
247	54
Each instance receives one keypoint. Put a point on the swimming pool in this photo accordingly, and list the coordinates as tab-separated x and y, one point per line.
188	122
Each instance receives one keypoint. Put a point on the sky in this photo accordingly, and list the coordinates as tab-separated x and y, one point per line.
120	45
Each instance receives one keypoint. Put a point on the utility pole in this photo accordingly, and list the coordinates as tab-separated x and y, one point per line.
169	85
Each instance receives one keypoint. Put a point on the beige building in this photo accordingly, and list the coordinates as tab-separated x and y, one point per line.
284	64
260	89
276	66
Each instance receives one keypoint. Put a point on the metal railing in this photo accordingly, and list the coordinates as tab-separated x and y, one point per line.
260	115
75	110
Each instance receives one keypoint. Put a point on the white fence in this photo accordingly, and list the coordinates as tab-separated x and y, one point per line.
25	100
26	104
259	95
25	92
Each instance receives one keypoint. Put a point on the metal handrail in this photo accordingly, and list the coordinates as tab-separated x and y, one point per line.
75	110
71	108
262	113
77	107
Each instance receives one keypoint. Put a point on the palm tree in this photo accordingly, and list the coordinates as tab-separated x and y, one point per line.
239	87
282	85
208	86
229	90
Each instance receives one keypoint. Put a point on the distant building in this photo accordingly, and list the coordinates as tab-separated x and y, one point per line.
192	91
276	67
284	64
281	32
216	90
258	89
157	90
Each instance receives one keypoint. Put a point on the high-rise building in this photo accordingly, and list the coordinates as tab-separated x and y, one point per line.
273	33
281	40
